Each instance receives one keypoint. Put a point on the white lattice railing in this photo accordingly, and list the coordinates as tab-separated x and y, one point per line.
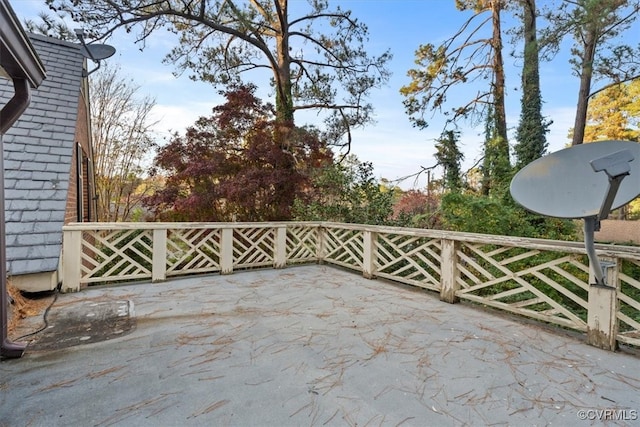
628	301
541	279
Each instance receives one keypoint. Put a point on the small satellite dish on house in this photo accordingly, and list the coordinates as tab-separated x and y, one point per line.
584	181
96	52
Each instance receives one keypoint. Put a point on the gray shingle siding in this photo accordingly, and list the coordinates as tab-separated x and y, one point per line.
38	151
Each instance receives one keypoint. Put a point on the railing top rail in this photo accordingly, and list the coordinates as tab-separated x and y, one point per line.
628	252
524	242
180	225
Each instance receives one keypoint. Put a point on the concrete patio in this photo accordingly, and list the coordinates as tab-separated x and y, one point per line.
309	345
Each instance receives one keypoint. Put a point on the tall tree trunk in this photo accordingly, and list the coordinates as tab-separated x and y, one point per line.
532	129
586	74
499	83
497	143
284	108
284	97
530	72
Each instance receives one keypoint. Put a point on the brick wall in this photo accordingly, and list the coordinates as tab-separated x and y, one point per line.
71	212
82	138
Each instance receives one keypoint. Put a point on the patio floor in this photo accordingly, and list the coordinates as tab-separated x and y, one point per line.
309	345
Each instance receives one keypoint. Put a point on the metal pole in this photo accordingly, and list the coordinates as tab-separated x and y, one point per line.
590	225
617	167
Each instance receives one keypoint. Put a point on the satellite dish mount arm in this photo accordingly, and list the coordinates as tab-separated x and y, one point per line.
617	167
591	224
80	35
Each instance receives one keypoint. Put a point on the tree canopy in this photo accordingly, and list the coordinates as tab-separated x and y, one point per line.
316	60
595	26
122	138
614	113
227	167
472	54
449	156
345	192
50	26
469	55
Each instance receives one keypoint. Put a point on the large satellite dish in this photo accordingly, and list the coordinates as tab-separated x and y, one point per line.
584	181
564	184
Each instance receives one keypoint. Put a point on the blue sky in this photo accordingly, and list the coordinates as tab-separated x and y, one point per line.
394	147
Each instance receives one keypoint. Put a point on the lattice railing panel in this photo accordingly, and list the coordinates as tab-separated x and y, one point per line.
302	244
253	247
193	250
409	259
629	302
544	280
116	255
344	247
546	285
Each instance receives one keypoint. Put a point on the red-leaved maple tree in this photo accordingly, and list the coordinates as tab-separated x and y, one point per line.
230	166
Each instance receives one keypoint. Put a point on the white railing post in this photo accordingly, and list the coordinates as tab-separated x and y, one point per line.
369	254
226	251
602	315
280	249
449	272
321	244
71	260
159	256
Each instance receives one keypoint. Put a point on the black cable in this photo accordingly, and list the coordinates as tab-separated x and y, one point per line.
46	322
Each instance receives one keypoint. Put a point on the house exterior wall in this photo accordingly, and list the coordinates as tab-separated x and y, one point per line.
40	154
70	214
81	205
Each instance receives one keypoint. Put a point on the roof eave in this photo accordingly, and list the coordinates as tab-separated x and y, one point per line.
18	58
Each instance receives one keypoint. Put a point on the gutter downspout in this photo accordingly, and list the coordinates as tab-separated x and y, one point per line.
8	116
16	105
